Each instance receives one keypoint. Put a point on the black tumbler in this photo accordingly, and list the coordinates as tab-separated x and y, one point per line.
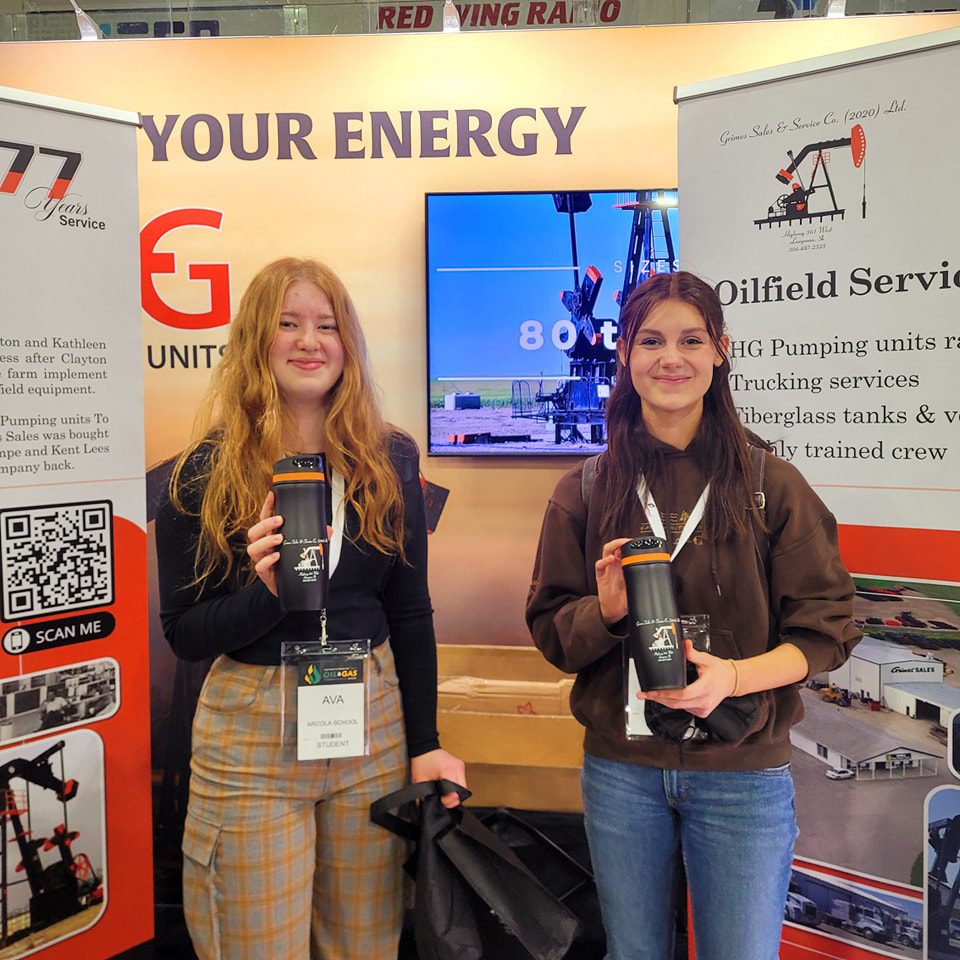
300	488
655	643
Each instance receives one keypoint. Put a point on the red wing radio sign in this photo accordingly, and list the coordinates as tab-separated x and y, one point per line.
812	195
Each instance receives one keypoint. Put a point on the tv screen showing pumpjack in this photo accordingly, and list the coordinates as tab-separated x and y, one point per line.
523	301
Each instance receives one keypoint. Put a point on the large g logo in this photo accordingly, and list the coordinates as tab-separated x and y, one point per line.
152	262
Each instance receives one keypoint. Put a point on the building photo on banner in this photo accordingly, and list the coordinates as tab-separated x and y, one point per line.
74	718
488	232
841	284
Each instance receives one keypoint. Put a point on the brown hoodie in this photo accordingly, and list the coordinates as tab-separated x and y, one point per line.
808	590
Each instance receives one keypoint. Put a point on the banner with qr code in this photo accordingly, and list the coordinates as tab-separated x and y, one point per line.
73	579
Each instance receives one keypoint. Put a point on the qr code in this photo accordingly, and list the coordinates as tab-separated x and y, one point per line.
55	558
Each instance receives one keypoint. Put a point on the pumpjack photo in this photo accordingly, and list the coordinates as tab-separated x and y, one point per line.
62	884
943	923
577	403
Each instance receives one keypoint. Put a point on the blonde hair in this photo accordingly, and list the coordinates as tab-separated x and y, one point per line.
240	425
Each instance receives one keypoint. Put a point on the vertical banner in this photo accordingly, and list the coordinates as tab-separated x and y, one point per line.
75	877
817	199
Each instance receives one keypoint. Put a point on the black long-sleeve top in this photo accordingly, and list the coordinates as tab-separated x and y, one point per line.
372	594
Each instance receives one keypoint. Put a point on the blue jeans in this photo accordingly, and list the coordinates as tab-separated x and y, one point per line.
735	831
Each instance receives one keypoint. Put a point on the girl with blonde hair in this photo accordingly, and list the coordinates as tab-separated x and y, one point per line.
280	859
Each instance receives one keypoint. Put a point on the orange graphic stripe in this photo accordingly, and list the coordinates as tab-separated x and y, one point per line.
58	189
645	558
294	477
10	182
901	552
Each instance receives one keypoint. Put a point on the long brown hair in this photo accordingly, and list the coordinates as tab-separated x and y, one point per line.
632	449
237	436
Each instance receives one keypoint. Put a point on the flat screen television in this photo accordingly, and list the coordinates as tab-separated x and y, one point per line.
523	299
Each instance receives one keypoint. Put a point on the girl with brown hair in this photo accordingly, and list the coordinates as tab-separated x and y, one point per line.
758	554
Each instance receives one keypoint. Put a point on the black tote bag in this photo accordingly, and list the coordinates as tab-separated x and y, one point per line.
474	899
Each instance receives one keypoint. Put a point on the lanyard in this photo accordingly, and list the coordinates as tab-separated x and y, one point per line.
336	538
656	522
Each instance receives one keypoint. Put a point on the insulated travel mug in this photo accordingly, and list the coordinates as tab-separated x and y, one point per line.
655	643
299	486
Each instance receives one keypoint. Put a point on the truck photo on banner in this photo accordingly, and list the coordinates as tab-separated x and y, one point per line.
75	875
837	260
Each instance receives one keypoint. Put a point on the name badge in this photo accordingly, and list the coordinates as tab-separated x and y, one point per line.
325	699
331	714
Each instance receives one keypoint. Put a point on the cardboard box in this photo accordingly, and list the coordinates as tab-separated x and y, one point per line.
493	715
495	662
480	695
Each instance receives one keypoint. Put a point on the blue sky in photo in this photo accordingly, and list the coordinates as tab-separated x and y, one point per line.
475	316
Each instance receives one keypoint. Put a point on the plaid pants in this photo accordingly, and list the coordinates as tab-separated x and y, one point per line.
281	861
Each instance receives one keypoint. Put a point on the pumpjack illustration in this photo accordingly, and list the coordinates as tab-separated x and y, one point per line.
665	638
944	837
797	205
59	889
311	558
577	403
